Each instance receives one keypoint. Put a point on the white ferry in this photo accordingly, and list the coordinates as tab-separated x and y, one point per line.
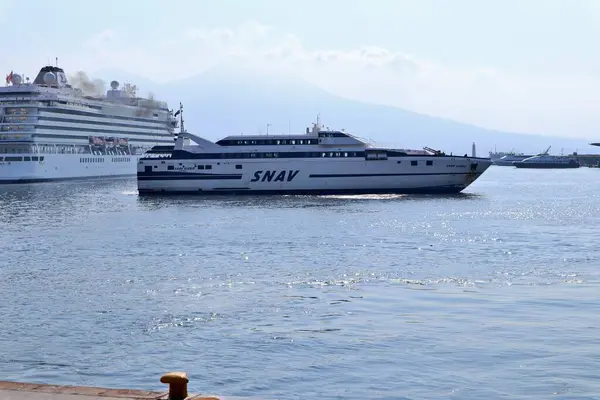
322	161
547	161
50	130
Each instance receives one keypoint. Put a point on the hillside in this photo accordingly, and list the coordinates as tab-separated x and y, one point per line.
224	101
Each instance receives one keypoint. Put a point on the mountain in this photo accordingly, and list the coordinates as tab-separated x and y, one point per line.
226	100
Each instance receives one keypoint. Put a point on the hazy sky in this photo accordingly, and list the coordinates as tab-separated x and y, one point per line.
519	65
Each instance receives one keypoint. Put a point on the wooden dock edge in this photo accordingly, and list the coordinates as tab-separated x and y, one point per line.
177	382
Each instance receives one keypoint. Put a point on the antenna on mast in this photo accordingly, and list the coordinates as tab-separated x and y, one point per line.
181	117
56	62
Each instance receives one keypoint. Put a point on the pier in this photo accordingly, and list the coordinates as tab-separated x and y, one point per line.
176	381
588	160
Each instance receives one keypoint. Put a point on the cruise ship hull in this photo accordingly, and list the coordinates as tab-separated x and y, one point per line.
312	177
57	167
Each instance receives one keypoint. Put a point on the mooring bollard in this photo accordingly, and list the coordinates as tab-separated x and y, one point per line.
177	384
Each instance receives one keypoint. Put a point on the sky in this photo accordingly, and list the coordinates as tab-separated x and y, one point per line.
528	66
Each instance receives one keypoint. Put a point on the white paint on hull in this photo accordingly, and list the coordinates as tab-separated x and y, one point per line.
65	166
398	174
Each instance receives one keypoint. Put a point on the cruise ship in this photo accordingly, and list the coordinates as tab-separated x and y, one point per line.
51	130
320	162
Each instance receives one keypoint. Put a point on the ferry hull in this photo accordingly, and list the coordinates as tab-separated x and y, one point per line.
58	167
307	192
446	175
546	165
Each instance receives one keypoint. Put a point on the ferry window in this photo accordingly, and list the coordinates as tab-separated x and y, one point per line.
429	162
209	167
399	162
170	167
26	158
345	154
34	158
148	168
42	158
200	166
278	141
238	166
413	163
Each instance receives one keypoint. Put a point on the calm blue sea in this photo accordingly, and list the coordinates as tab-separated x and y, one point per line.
492	294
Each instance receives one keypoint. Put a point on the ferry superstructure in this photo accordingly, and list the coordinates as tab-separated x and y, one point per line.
50	130
509	159
321	162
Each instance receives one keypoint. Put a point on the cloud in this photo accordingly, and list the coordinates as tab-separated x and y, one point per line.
102	40
481	95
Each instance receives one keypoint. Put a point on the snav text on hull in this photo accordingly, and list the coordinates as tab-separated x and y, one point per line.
320	161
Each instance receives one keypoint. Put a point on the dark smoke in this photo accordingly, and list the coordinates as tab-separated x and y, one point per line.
80	80
147	105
